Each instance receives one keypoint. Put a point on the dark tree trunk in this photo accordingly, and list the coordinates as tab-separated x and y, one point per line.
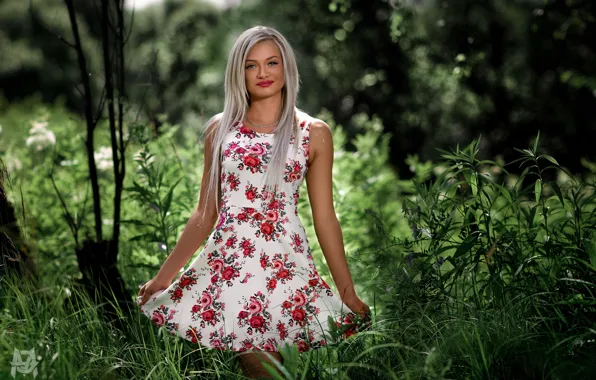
16	259
102	280
97	257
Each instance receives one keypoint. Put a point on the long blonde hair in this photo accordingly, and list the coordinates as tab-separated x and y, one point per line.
237	101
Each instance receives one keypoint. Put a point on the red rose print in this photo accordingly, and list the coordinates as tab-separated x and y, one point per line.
267	228
208	315
214	279
256	321
263	263
313	282
242	217
257	149
255	307
217	264
185	281
157	318
283	273
350	332
195	308
193	334
217	343
286	304
272	283
251	161
221	221
177	293
299	299
250	194
278	264
272	216
274	205
206	299
245	130
298	314
228	273
243	314
302	346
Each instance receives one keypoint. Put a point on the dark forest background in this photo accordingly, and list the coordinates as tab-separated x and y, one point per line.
437	73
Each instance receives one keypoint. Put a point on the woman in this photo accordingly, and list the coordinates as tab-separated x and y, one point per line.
254	286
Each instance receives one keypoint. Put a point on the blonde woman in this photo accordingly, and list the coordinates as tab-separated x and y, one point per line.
254	287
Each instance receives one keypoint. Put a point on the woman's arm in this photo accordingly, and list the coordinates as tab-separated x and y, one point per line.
319	183
195	232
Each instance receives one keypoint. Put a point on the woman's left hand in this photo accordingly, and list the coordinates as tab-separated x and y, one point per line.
358	306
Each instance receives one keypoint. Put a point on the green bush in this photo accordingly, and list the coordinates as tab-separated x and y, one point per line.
497	279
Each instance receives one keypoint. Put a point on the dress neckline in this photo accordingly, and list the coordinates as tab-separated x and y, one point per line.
243	125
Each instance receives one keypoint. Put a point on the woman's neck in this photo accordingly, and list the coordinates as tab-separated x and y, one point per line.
265	111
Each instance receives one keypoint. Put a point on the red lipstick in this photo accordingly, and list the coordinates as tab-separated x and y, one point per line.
265	83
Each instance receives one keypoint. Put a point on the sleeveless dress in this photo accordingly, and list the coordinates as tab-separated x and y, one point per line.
254	286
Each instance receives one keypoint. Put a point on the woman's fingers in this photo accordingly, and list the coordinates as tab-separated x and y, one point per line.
144	298
143	288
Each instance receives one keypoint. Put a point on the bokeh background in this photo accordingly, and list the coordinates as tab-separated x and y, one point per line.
463	178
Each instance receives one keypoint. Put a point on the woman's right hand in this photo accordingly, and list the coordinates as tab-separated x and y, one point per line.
152	286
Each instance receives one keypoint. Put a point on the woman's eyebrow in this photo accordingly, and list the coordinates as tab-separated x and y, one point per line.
274	56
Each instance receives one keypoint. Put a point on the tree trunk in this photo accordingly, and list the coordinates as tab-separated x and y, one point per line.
16	259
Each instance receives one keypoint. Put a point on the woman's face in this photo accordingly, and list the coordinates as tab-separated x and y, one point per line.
263	70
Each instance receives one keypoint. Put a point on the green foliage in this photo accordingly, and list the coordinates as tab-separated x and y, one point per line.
510	257
364	192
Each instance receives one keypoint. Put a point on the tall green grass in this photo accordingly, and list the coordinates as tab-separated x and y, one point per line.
482	274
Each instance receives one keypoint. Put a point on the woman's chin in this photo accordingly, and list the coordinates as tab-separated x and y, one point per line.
265	93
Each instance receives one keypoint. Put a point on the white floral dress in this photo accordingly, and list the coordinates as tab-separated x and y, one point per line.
254	286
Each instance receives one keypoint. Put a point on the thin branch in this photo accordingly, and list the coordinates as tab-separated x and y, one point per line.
39	23
89	119
69	219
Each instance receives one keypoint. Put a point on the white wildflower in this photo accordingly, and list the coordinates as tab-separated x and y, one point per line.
40	136
13	164
141	154
103	158
69	162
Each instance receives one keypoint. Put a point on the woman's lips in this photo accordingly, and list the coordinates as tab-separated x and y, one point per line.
264	84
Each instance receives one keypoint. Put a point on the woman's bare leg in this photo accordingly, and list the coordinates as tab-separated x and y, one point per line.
250	362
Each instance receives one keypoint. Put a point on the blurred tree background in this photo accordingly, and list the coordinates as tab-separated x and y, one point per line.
437	73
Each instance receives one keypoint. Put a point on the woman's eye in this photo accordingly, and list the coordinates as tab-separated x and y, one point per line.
270	63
